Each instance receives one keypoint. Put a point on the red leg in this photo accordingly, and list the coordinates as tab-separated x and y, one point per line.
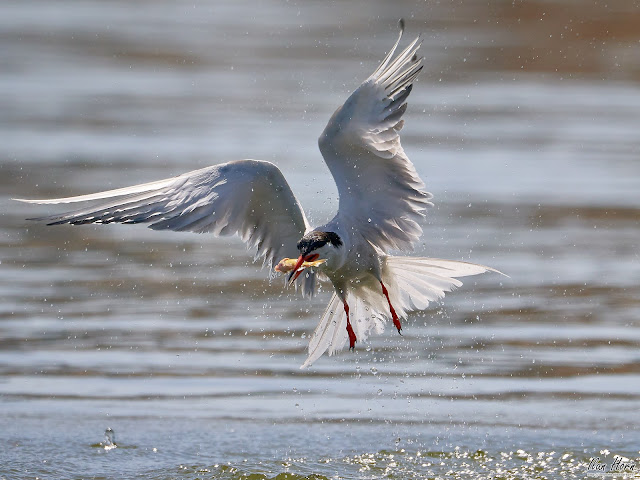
394	316
350	332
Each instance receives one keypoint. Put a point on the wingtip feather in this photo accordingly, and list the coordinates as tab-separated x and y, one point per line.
26	200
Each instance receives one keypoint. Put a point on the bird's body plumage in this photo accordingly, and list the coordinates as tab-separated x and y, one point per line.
382	199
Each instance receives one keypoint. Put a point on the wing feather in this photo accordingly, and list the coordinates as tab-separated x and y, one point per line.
381	195
250	198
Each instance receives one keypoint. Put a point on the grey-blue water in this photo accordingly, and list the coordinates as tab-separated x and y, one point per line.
524	125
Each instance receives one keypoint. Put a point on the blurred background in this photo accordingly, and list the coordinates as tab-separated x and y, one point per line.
524	125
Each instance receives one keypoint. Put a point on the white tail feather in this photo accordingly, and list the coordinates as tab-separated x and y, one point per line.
331	332
412	282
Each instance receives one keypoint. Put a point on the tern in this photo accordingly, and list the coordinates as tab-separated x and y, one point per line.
381	201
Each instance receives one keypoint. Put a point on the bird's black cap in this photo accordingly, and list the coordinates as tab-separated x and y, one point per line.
315	240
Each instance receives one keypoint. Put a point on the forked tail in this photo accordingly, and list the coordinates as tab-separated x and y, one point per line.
412	283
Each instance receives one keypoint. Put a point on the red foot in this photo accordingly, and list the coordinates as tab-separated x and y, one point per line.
350	332
394	316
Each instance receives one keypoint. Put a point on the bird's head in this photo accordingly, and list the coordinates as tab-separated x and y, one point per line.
315	246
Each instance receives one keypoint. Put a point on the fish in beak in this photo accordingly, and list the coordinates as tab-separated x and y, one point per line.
297	266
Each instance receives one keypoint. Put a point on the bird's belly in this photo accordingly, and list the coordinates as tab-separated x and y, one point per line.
359	266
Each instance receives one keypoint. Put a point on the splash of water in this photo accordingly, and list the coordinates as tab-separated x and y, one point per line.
109	439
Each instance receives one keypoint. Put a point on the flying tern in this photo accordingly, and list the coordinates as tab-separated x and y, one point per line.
381	201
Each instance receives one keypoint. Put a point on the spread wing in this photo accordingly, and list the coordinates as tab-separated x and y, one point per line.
381	194
247	197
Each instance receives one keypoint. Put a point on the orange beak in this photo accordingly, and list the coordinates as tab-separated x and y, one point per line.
298	269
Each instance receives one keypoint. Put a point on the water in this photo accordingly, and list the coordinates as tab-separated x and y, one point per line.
524	126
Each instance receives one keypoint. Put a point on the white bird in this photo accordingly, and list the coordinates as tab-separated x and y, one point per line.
382	198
